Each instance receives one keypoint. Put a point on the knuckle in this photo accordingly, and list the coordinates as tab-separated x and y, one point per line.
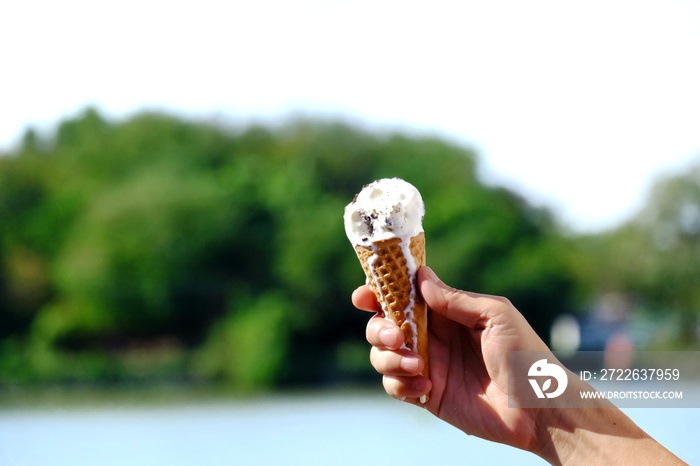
392	386
374	328
380	360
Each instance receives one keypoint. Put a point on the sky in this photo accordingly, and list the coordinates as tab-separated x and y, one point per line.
578	106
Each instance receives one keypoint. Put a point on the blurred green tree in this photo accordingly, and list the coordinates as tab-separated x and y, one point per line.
654	258
220	252
671	239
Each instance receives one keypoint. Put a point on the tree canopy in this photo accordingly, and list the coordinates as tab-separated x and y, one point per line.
158	247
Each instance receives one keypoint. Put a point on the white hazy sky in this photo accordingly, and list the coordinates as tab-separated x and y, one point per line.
577	105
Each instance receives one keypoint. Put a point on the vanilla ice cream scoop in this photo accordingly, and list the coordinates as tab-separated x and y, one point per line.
387	208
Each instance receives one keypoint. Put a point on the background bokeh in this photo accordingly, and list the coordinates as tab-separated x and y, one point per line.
174	276
156	249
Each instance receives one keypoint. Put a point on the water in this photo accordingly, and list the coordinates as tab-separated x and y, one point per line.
321	429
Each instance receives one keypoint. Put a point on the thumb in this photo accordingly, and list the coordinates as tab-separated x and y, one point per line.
472	310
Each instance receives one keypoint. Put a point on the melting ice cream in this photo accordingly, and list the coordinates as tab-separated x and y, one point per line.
385	209
384	224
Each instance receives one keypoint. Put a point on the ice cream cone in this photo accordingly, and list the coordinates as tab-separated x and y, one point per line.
391	269
384	222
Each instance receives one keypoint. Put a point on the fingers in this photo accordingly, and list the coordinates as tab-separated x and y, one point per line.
398	363
472	310
383	333
401	367
479	312
364	299
408	389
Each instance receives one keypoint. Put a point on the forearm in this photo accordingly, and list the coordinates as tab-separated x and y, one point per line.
601	435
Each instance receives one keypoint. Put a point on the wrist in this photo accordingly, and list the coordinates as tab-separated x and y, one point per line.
596	435
570	436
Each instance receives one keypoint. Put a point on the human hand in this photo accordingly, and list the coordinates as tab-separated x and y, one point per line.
470	336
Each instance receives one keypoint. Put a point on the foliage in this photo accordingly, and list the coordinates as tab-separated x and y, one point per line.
670	232
654	257
182	249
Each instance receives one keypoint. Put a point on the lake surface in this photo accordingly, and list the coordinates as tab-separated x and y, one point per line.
309	429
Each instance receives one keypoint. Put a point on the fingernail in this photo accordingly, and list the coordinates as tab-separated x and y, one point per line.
387	337
409	364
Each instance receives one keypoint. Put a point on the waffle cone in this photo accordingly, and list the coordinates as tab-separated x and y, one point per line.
396	289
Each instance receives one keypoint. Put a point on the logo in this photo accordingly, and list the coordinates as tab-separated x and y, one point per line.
547	371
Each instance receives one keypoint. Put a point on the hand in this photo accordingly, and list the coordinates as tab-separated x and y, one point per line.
470	336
